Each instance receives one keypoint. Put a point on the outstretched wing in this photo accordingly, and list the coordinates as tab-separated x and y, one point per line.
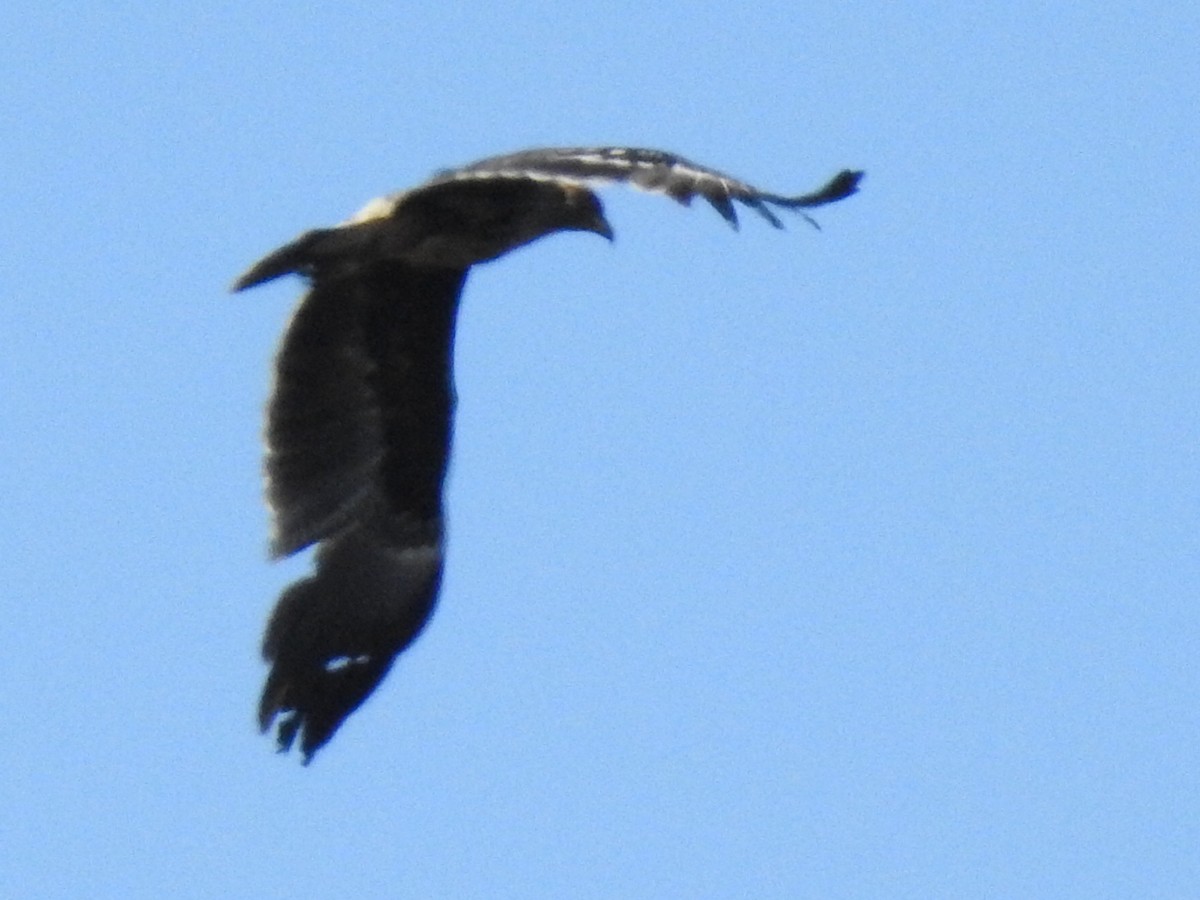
358	437
658	172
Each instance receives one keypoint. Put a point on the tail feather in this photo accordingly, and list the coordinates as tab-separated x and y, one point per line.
303	255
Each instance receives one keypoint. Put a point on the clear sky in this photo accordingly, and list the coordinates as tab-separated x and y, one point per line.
854	563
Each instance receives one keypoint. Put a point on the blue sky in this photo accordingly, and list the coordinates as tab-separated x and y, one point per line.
852	563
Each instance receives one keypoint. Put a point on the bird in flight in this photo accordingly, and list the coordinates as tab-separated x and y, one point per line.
359	421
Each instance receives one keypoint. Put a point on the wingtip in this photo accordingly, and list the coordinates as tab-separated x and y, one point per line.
839	187
848	181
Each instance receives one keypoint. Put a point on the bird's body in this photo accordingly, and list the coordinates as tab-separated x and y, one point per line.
360	418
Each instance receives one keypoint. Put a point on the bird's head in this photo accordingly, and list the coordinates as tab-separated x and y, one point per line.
583	211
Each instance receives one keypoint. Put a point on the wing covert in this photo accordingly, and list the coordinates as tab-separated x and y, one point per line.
658	172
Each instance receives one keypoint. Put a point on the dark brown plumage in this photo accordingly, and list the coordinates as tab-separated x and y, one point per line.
359	422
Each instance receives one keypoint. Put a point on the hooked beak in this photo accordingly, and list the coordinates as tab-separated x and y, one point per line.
600	226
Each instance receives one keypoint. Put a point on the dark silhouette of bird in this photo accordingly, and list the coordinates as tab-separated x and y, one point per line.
359	421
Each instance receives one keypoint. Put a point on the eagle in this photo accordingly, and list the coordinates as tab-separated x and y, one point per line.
359	421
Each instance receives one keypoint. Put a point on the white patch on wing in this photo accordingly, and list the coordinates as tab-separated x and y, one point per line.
344	662
649	170
531	175
379	208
